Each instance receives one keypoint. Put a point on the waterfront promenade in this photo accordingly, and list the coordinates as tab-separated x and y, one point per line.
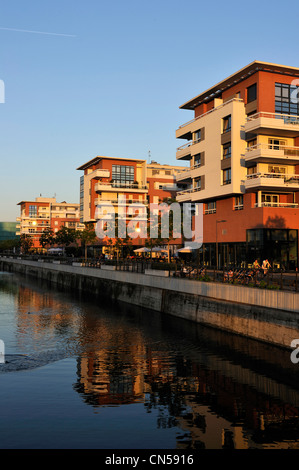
267	315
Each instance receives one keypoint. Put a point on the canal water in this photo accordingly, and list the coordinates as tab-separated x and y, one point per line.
81	373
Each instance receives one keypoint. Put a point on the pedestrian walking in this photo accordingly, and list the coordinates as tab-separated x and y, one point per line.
266	266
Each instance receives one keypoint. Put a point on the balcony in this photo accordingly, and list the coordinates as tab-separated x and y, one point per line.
186	194
97	174
184	151
272	181
282	205
193	125
278	124
120	202
115	187
186	174
270	153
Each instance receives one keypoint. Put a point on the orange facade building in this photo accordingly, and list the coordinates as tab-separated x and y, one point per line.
46	213
106	180
243	149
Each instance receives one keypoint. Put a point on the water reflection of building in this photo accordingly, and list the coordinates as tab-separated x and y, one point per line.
101	384
42	317
213	409
220	390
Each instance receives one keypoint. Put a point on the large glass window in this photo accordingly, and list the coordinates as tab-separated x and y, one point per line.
32	211
123	173
286	99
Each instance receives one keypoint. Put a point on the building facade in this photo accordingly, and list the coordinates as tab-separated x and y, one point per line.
46	213
243	149
125	183
8	231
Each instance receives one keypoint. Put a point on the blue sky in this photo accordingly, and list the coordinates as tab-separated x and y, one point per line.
114	86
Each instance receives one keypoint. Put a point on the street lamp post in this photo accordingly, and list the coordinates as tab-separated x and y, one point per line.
217	222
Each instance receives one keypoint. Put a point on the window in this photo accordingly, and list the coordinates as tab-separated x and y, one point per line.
197	184
238	203
198	159
227	176
227	121
167	172
155	172
251	93
123	173
32	211
276	144
227	151
286	99
270	200
276	169
197	136
210	207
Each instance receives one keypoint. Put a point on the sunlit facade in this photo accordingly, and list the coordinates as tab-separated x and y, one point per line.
46	213
243	149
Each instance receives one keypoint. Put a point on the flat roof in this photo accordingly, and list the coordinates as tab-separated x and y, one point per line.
95	160
237	77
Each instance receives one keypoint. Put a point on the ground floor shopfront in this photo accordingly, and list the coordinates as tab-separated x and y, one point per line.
279	246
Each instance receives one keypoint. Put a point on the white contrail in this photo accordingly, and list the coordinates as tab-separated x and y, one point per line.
38	32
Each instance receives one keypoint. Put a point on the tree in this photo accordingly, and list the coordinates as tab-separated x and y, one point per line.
9	244
47	238
26	243
87	236
166	214
65	236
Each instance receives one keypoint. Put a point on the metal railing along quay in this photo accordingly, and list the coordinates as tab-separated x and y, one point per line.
274	279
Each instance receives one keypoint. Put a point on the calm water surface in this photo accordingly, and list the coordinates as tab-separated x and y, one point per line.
79	373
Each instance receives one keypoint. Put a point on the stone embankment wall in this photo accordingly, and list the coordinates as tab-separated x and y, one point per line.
270	316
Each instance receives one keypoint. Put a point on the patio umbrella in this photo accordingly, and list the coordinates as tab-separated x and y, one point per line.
158	249
186	249
142	250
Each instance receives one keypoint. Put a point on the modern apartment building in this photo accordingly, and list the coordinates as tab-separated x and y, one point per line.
46	213
107	179
243	149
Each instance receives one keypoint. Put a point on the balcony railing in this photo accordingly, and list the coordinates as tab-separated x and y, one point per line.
277	204
120	202
287	118
186	191
115	185
285	178
188	144
184	174
272	148
211	111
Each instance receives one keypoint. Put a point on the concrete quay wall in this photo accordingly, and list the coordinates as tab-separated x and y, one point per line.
270	316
